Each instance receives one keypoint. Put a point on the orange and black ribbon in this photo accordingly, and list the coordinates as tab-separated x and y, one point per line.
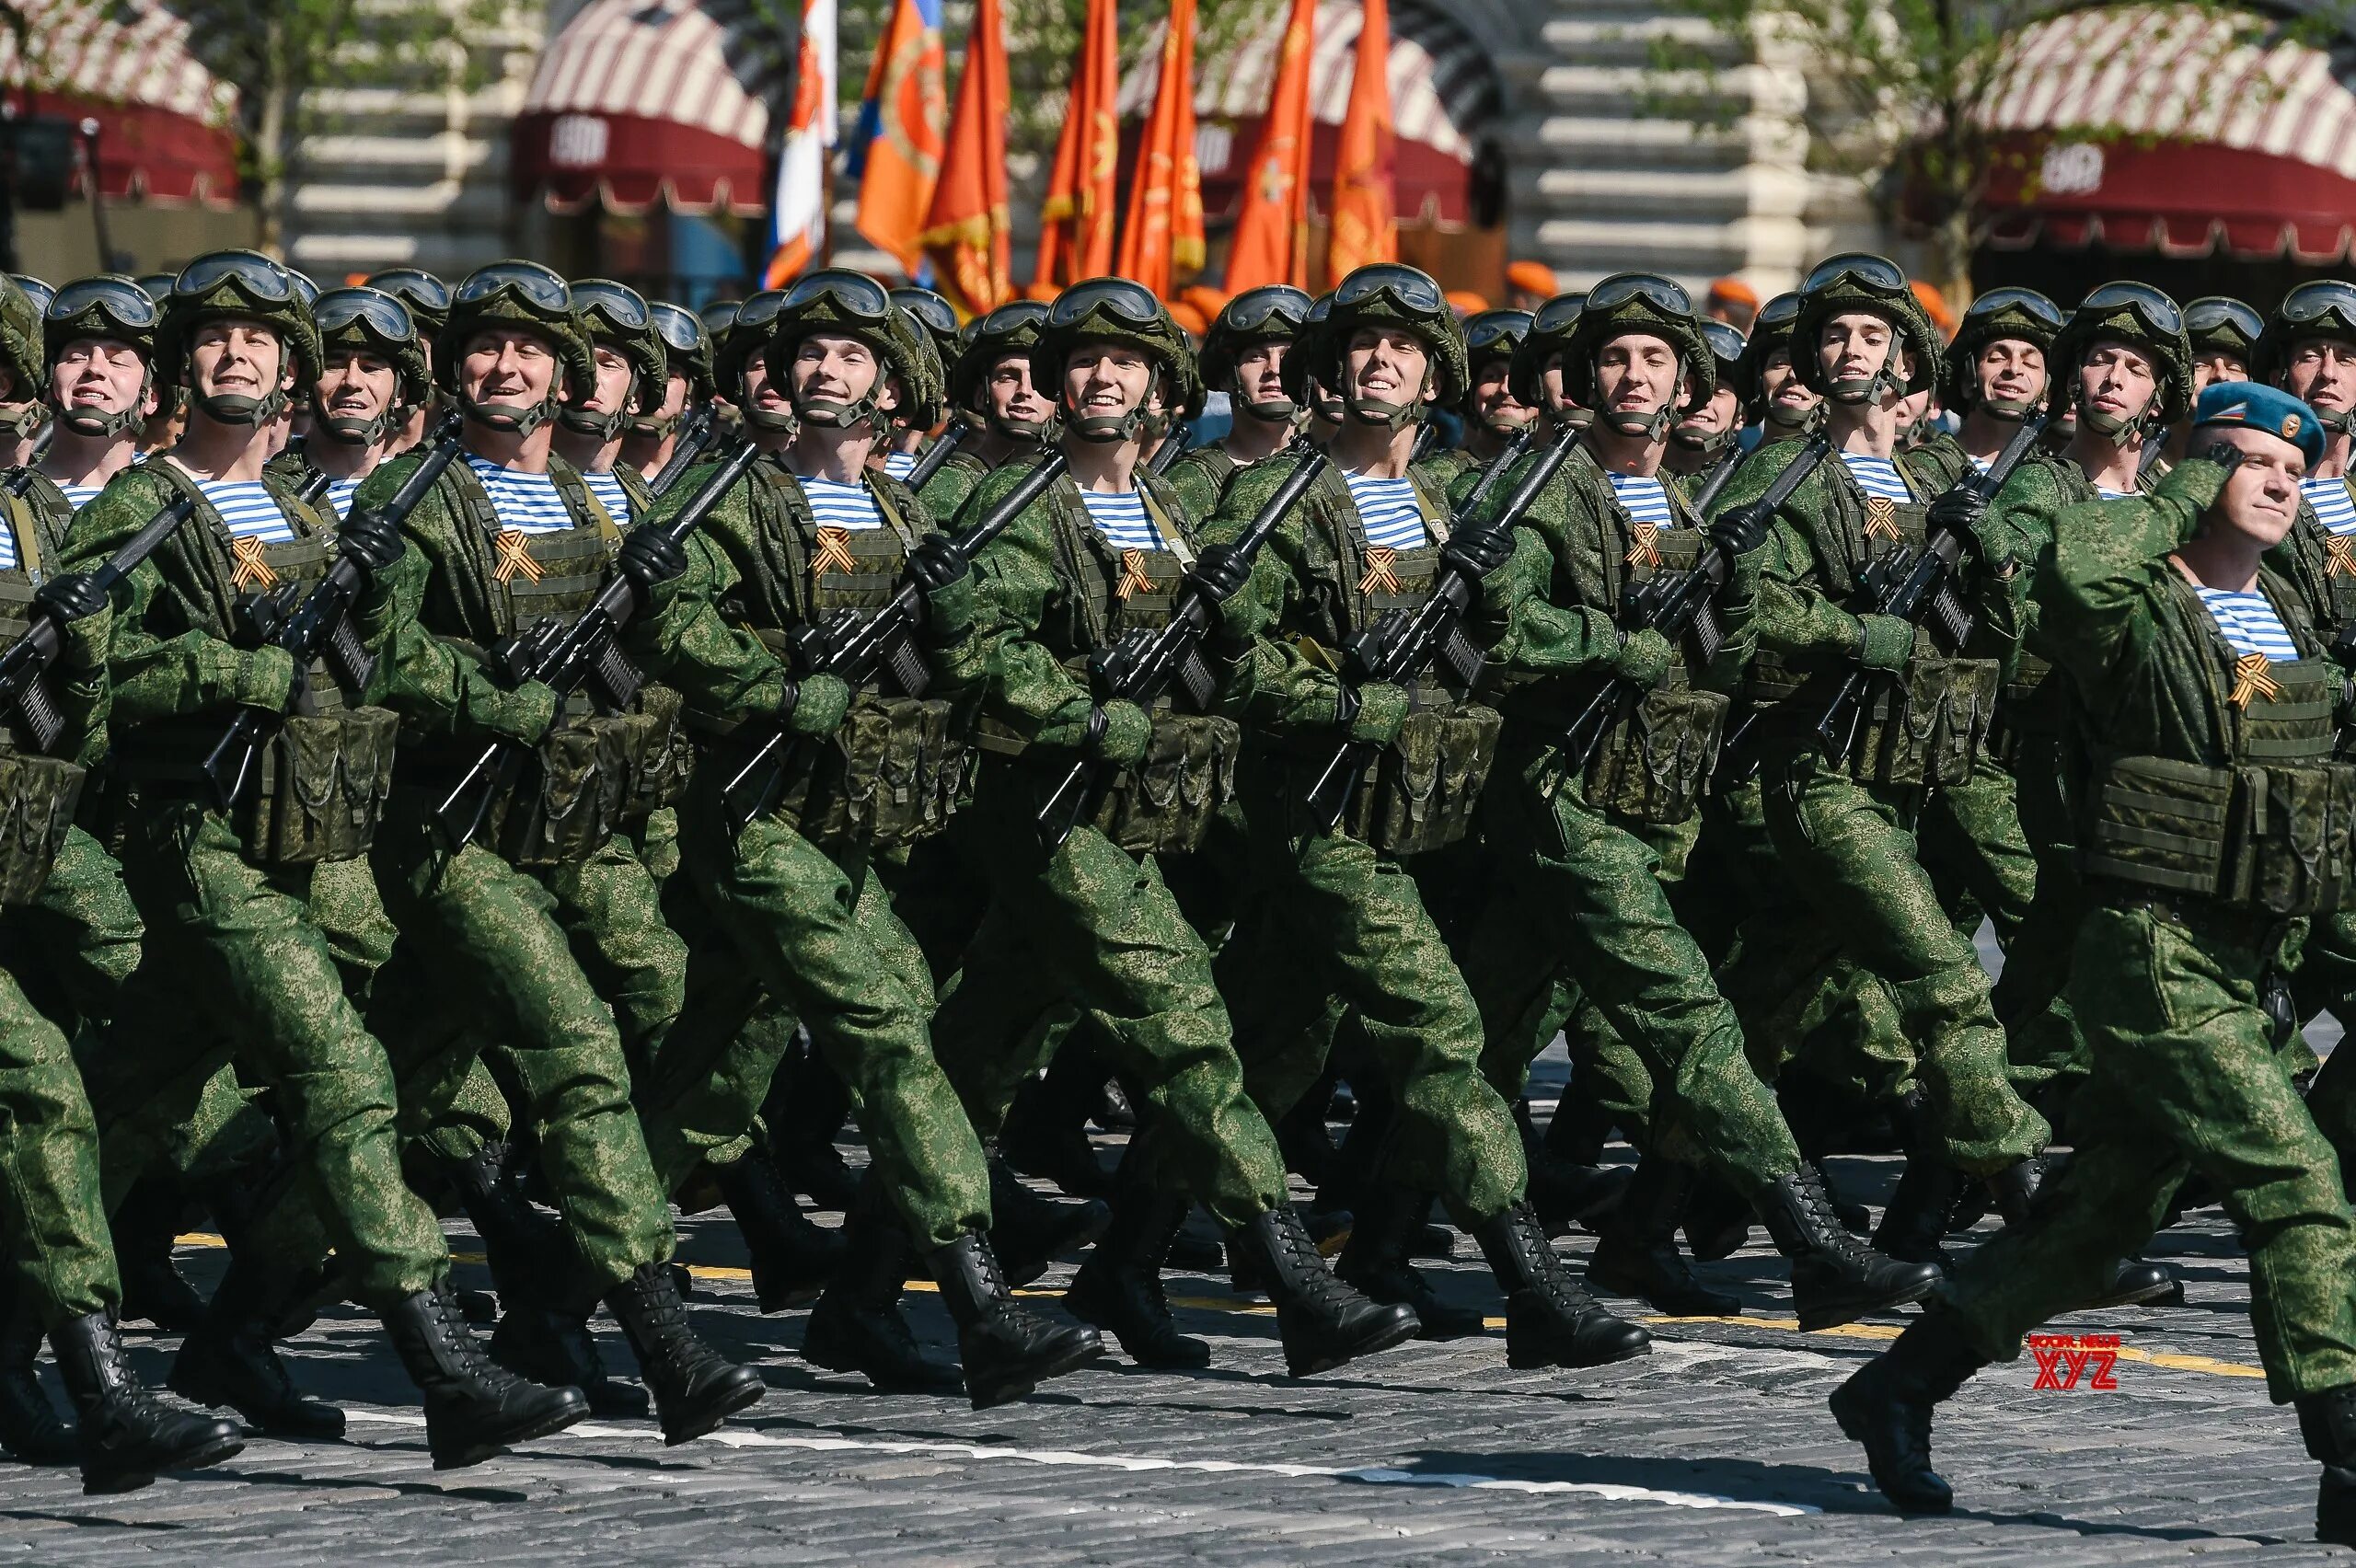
2342	551
252	571
1134	576
515	558
1644	552
1881	518
834	552
1381	570
2250	680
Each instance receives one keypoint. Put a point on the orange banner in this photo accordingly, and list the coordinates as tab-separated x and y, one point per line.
966	230
1076	223
1366	225
1272	232
895	151
1164	233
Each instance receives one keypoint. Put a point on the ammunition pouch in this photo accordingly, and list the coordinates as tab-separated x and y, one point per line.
1654	765
670	756
573	795
1420	794
891	775
1165	804
320	788
38	797
2267	839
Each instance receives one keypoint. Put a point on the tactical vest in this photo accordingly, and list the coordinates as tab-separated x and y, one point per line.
1929	724
320	786
2328	560
2267	833
2031	704
896	768
1165	804
591	769
1420	791
38	794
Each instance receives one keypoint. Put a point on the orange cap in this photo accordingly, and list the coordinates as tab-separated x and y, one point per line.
1531	277
1936	303
1734	290
1464	302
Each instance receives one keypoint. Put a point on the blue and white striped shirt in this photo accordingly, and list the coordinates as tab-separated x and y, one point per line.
607	488
81	495
838	505
900	465
249	508
1121	517
1389	512
527	503
2249	622
2335	509
1878	476
339	494
2109	494
1643	498
9	561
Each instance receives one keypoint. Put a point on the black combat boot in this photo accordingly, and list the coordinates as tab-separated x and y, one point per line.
1029	1231
129	1433
2133	1281
806	1104
473	1408
1008	1350
519	1241
1836	1278
1376	1261
1854	1217
1916	1220
1718	1220
230	1361
1638	1255
554	1348
1887	1405
695	1388
1322	1321
1566	1193
856	1326
2328	1421
792	1259
1119	1288
30	1430
1046	1127
1550	1320
144	1229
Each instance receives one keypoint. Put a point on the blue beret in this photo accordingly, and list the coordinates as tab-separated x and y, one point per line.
2260	407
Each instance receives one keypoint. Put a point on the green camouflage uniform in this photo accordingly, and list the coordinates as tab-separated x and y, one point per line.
951	483
2188	1072
1200	477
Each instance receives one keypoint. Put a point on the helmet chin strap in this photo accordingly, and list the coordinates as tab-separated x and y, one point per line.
832	413
1272	410
1394	416
582	421
515	419
93	425
1788	417
1040	431
1708	445
2011	411
23	421
236	408
2109	426
1651	427
349	431
1105	430
655	427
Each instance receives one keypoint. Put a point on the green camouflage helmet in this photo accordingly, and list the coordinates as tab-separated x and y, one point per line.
105	307
1861	282
515	294
1273	313
1113	310
1388	294
837	302
2144	318
1550	327
20	354
687	349
1646	303
427	297
2008	314
616	317
1770	331
935	317
1014	328
237	285
371	321
2324	308
2219	324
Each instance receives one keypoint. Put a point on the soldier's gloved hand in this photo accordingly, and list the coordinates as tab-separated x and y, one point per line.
88	614
935	563
2201	479
1644	659
944	576
814	705
1118	732
264	678
651	558
1225	578
1477	552
1375	712
1741	530
1959	511
1888	642
369	541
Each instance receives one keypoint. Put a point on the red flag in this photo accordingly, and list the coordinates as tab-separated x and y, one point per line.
965	232
1365	225
1164	231
1272	232
1076	223
895	151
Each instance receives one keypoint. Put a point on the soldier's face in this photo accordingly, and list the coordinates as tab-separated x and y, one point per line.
1492	399
614	379
1635	374
1714	417
2118	379
841	370
1012	396
358	385
507	366
2322	371
1557	390
238	359
2218	366
1781	383
2012	371
1259	372
1387	364
1855	345
2261	500
1106	380
675	395
100	375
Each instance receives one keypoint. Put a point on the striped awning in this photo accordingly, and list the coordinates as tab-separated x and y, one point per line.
1444	94
166	123
2178	129
638	102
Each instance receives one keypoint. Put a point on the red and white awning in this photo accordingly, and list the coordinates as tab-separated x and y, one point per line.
2177	129
636	103
1443	92
164	123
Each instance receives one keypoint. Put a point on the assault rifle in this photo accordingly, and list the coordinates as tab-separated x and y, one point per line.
1916	588
1142	665
1516	448
319	623
856	648
1397	647
567	655
1720	472
1674	603
938	453
698	432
